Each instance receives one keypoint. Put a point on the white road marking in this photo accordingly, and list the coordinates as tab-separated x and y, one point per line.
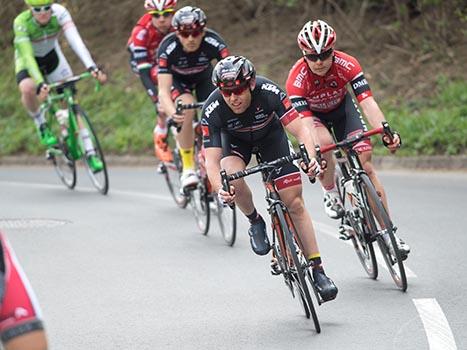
332	231
88	189
436	325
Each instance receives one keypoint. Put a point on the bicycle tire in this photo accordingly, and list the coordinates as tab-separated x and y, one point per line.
172	171
362	245
64	164
301	282
394	261
100	180
200	203
227	218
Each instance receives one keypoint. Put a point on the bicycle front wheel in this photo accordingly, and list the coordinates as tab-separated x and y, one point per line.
227	218
200	203
64	164
377	218
300	266
99	178
172	171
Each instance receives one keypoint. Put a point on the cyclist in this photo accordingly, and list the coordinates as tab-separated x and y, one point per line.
20	317
145	38
39	59
247	114
185	67
317	89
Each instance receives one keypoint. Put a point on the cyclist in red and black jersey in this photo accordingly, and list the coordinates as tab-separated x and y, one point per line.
317	87
248	114
145	38
184	68
20	316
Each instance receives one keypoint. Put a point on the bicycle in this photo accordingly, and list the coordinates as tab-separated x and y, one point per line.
201	197
366	220
286	245
70	147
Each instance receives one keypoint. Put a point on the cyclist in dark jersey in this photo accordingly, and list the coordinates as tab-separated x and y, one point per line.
317	87
247	114
184	68
143	43
20	316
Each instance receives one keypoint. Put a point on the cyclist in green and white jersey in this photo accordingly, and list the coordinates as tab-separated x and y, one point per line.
39	60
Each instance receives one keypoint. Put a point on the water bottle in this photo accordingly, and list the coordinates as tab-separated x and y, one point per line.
62	117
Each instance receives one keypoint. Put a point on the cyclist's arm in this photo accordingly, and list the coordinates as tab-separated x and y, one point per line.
213	167
372	111
165	98
212	142
25	51
146	79
72	36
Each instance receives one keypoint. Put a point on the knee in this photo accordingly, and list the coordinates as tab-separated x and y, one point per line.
27	87
296	206
368	167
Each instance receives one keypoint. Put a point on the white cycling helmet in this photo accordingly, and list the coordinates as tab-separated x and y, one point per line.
159	5
316	37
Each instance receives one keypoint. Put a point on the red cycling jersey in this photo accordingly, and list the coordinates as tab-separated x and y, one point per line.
19	311
310	92
144	41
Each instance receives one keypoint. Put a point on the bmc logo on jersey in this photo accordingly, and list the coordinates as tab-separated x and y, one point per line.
140	36
344	63
209	109
212	41
359	84
270	87
300	78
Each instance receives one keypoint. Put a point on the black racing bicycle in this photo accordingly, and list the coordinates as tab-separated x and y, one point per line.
201	199
286	244
366	220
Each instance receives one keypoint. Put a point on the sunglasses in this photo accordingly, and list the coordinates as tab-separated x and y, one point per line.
236	91
165	13
194	33
321	56
41	9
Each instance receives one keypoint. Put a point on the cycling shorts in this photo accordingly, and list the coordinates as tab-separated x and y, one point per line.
19	310
346	120
202	89
273	146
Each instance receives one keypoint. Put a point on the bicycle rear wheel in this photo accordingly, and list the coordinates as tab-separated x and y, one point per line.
200	203
359	234
377	217
300	266
227	218
99	179
172	171
64	163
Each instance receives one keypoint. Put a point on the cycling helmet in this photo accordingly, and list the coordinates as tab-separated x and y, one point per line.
38	2
233	71
188	18
159	5
316	37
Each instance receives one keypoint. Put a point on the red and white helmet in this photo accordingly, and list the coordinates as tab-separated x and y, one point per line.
159	5
316	37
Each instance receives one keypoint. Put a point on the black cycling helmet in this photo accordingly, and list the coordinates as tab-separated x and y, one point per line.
233	71
189	18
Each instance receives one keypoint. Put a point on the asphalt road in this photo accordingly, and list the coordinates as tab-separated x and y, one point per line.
130	271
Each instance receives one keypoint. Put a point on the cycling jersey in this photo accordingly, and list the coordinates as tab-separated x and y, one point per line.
259	128
34	42
19	310
310	92
190	67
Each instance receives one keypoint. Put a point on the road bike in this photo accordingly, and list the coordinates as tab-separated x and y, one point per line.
366	220
201	199
66	119
286	244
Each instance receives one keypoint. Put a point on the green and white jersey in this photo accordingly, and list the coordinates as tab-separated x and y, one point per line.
34	40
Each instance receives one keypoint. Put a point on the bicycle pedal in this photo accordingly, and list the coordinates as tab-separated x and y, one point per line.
343	234
49	155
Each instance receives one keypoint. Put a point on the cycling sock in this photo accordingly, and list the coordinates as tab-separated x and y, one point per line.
253	217
159	130
330	188
187	158
88	147
316	261
38	118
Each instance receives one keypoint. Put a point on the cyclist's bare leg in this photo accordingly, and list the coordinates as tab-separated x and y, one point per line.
323	137
243	196
186	136
30	341
365	159
27	87
293	199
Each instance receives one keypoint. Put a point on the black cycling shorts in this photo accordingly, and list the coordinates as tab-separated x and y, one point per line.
47	65
202	89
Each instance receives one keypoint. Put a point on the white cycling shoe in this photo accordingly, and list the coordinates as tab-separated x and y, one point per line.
189	180
333	205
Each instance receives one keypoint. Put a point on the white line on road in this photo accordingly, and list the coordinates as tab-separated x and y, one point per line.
87	189
436	325
332	231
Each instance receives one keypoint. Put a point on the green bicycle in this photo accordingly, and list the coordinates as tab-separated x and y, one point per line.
77	138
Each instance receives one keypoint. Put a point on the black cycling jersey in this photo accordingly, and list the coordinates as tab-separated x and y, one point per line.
269	107
190	67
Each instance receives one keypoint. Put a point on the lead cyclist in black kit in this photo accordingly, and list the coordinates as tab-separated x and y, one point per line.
244	113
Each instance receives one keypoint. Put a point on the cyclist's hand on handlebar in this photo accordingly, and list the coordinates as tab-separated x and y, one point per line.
226	197
42	91
178	118
314	169
98	74
395	144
